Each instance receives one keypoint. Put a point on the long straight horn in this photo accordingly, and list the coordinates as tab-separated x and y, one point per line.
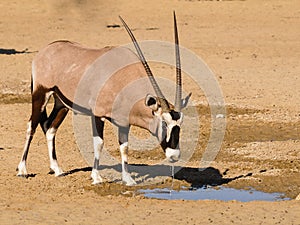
164	103
178	69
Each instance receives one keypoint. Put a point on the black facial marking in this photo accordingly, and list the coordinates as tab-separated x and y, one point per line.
175	115
164	135
174	138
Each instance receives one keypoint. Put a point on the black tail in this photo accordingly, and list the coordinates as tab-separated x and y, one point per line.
31	85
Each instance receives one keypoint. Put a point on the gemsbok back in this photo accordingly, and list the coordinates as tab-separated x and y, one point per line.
57	71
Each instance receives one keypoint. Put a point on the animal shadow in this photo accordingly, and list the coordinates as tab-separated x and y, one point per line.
198	178
84	169
205	177
13	51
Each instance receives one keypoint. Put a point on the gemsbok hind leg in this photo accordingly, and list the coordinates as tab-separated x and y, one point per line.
40	98
97	126
50	126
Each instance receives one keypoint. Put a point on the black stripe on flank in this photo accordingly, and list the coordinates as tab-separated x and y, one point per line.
70	104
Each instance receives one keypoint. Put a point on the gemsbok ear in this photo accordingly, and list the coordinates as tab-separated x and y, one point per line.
185	101
151	102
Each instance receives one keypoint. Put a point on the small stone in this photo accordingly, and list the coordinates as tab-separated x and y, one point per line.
218	116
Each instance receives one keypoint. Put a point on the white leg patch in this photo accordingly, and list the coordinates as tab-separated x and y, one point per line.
126	178
124	152
50	134
97	179
98	145
47	97
22	169
28	131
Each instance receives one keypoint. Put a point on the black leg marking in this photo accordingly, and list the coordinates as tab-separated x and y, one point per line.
98	126
123	134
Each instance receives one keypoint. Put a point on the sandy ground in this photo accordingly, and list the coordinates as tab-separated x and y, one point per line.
252	46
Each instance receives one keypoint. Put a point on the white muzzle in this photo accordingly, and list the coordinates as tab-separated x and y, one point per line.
172	155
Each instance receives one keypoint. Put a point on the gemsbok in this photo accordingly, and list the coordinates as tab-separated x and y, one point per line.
57	71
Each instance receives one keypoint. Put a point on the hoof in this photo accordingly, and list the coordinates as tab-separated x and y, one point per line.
96	182
51	171
131	183
23	175
62	175
127	179
57	171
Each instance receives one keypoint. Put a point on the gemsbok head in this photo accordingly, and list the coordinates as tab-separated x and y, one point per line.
57	71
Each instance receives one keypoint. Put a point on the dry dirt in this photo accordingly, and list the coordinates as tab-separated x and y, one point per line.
252	46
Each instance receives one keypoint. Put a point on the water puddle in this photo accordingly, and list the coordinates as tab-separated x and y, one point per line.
213	193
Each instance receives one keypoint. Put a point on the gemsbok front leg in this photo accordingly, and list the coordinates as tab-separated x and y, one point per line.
123	141
98	126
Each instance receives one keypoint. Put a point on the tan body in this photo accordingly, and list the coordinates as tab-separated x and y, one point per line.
111	83
65	64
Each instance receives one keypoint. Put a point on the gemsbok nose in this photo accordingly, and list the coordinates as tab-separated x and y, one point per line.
173	155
